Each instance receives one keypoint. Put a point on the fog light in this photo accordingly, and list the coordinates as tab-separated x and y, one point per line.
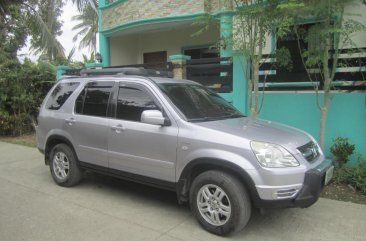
285	193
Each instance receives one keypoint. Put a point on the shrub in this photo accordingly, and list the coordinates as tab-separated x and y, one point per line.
353	175
342	150
15	125
22	89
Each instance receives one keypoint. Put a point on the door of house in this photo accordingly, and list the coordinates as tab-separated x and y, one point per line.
155	57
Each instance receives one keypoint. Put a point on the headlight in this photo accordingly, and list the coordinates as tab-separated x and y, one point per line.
272	155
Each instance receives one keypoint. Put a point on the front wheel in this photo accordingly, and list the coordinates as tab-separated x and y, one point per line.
220	202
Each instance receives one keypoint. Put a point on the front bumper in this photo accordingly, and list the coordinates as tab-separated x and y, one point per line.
306	196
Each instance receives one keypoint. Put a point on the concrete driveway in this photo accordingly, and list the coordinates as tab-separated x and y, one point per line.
33	207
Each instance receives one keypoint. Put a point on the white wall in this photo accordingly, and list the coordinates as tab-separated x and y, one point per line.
123	50
357	12
130	49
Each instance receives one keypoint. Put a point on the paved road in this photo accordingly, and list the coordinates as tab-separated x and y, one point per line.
32	207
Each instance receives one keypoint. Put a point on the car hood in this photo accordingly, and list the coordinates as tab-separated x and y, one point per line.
260	130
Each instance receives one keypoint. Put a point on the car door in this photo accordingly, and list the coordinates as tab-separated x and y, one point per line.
88	125
139	148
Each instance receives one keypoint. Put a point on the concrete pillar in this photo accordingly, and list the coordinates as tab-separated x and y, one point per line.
179	64
226	38
104	49
104	45
226	34
240	62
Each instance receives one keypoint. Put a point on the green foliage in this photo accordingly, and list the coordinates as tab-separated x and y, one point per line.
15	125
38	19
254	21
13	32
342	150
45	26
331	31
283	58
90	59
82	4
353	175
22	89
87	28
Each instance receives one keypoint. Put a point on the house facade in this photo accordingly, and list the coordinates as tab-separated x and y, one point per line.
146	32
137	28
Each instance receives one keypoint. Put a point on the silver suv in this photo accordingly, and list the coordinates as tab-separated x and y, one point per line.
180	136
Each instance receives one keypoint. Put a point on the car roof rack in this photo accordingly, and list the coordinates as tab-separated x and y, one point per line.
68	77
126	71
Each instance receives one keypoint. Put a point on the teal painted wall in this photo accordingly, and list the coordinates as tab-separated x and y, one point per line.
240	87
103	40
346	116
60	70
104	49
226	34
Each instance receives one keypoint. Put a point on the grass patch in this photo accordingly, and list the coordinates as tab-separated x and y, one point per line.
25	140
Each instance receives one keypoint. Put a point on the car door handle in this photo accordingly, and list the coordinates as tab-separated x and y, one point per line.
70	121
118	128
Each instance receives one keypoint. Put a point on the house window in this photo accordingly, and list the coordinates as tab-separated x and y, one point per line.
208	69
296	71
349	75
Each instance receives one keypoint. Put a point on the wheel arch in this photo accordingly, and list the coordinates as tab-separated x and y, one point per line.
54	140
200	165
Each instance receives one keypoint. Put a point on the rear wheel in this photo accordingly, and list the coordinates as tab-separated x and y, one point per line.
220	202
64	169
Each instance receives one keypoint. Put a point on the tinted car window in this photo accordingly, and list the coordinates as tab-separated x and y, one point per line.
60	94
93	100
132	102
79	102
198	103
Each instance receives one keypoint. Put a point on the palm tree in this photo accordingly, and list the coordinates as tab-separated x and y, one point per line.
4	7
41	16
82	4
44	23
46	43
49	12
87	28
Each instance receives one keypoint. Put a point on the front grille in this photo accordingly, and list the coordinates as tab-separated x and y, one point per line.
309	151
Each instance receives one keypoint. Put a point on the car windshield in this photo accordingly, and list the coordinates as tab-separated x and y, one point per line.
198	103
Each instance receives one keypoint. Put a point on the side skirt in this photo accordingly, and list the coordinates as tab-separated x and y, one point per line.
171	186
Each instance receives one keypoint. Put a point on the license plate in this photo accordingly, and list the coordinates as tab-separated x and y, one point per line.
328	175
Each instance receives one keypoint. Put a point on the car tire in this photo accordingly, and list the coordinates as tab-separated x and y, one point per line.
220	202
64	167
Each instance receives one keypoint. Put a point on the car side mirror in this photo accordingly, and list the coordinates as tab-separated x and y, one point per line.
154	117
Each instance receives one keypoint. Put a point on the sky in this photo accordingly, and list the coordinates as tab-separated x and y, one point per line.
69	10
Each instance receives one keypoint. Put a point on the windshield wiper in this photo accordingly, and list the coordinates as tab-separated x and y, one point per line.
235	115
213	118
205	119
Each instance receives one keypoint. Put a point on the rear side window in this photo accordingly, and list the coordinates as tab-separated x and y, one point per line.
60	94
93	100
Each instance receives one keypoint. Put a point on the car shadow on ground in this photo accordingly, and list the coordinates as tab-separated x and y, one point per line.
167	199
134	190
